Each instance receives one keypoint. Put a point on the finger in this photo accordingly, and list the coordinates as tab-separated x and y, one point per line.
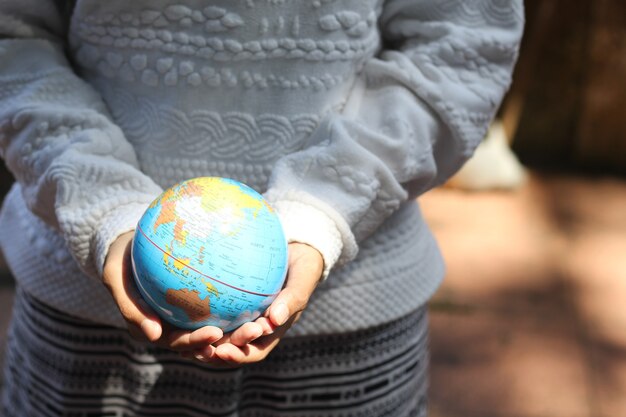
202	355
207	356
245	334
232	354
140	318
255	351
302	279
187	340
266	324
290	301
142	323
250	353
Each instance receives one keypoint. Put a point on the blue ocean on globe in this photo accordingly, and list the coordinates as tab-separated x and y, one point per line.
209	251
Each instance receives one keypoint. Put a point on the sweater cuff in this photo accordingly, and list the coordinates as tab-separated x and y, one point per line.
324	230
117	222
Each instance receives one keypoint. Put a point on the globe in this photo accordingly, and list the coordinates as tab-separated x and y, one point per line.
209	251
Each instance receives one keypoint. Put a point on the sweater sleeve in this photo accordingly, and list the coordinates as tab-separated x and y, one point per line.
76	170
415	115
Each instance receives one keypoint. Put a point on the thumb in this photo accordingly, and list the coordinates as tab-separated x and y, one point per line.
118	278
288	303
305	269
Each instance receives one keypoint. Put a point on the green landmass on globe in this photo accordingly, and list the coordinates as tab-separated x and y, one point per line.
209	251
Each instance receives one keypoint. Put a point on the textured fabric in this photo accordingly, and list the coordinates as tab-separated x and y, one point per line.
60	366
391	267
298	99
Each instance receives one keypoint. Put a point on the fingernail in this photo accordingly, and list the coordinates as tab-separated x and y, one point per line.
268	327
281	313
268	331
200	357
207	352
150	328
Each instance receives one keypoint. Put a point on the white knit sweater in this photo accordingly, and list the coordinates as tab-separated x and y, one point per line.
340	111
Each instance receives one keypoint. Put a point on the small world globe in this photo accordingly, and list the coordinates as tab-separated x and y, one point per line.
209	251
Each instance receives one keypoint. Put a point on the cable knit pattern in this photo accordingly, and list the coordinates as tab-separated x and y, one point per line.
73	169
237	136
295	98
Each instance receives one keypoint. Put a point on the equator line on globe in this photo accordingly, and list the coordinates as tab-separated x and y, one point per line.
209	251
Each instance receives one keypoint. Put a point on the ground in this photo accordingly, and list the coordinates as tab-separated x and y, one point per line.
531	319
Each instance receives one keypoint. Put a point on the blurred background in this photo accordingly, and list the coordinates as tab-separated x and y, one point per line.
531	319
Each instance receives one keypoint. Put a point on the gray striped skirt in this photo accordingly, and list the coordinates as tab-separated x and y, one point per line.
57	365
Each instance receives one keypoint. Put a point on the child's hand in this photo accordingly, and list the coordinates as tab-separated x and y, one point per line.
142	322
253	341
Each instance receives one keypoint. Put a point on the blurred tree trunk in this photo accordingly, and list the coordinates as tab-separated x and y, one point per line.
567	105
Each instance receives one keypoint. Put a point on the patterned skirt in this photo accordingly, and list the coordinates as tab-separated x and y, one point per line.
57	365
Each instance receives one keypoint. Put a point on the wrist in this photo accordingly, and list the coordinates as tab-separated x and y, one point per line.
311	258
